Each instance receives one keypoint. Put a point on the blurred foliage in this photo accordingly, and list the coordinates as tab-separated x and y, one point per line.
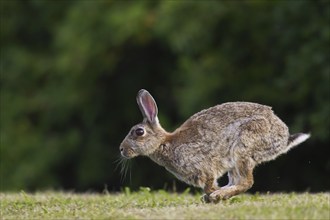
70	71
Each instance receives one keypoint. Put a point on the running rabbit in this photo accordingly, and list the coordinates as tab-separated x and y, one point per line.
232	137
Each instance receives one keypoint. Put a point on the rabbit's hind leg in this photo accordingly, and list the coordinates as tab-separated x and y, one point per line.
240	180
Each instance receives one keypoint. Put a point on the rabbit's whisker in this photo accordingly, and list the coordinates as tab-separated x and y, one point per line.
124	165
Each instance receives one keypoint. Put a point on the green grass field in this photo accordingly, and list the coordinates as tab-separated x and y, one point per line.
162	205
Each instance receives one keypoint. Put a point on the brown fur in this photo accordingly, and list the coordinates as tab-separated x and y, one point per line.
232	137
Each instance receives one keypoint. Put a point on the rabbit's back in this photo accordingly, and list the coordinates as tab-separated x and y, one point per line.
231	111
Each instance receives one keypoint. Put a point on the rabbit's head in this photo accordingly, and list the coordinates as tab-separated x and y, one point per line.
145	137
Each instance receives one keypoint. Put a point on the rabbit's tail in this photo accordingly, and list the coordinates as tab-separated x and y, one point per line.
296	139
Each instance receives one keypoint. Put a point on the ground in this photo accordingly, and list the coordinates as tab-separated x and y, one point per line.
146	204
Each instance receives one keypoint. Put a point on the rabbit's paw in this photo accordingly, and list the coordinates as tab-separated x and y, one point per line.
214	198
205	198
217	195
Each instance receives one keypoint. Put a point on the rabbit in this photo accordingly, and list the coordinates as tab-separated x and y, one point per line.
231	138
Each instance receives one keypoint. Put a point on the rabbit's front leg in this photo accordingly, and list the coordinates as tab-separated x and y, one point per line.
240	180
210	186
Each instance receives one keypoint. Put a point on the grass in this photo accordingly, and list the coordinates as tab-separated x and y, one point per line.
161	205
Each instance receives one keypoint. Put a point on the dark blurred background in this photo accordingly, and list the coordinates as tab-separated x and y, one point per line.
70	71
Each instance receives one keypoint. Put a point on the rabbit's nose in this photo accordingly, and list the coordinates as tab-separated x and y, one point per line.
121	149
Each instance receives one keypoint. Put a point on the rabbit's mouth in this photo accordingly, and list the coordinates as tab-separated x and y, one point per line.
127	153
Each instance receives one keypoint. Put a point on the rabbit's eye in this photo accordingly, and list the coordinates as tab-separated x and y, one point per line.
139	131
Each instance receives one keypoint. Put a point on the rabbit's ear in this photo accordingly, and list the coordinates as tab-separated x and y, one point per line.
147	106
